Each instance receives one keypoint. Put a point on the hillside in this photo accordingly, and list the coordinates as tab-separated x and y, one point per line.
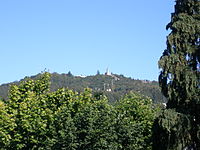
112	85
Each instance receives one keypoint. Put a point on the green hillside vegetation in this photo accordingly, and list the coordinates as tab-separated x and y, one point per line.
113	86
35	118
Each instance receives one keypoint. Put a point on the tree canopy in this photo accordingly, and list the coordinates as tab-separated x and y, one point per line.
35	118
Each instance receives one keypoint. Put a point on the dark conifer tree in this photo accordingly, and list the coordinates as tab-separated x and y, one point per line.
69	74
178	127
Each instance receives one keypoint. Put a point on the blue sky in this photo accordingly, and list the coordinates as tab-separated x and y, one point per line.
82	36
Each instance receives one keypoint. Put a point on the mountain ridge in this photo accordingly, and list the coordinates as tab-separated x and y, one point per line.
112	85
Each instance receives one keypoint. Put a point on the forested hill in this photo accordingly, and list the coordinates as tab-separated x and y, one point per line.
112	85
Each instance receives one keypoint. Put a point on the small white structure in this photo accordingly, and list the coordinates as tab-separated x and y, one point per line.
108	73
164	104
109	90
81	76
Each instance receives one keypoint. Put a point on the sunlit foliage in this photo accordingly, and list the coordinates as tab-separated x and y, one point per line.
35	118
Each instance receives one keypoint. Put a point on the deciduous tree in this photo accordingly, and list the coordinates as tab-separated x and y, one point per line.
134	123
27	107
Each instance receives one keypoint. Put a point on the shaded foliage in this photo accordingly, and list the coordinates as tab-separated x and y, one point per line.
179	125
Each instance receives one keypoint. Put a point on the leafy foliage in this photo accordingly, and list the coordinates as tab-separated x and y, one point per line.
135	122
179	126
35	118
6	124
26	104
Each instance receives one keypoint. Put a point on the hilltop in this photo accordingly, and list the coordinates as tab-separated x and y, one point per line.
112	85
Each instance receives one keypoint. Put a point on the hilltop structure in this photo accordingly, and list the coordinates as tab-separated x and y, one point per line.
108	73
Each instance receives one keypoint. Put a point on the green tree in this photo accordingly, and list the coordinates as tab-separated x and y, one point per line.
27	107
98	72
81	121
95	124
69	74
135	115
62	131
6	124
34	118
178	126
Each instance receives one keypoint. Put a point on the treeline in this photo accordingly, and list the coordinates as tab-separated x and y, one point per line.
114	87
35	118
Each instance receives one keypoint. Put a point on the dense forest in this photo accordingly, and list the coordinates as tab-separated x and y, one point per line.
112	85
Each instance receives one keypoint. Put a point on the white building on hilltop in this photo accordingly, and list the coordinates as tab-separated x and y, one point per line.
108	73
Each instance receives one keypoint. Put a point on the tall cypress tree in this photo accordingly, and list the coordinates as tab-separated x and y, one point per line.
178	127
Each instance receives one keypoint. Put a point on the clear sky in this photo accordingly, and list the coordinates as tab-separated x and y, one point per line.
82	36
